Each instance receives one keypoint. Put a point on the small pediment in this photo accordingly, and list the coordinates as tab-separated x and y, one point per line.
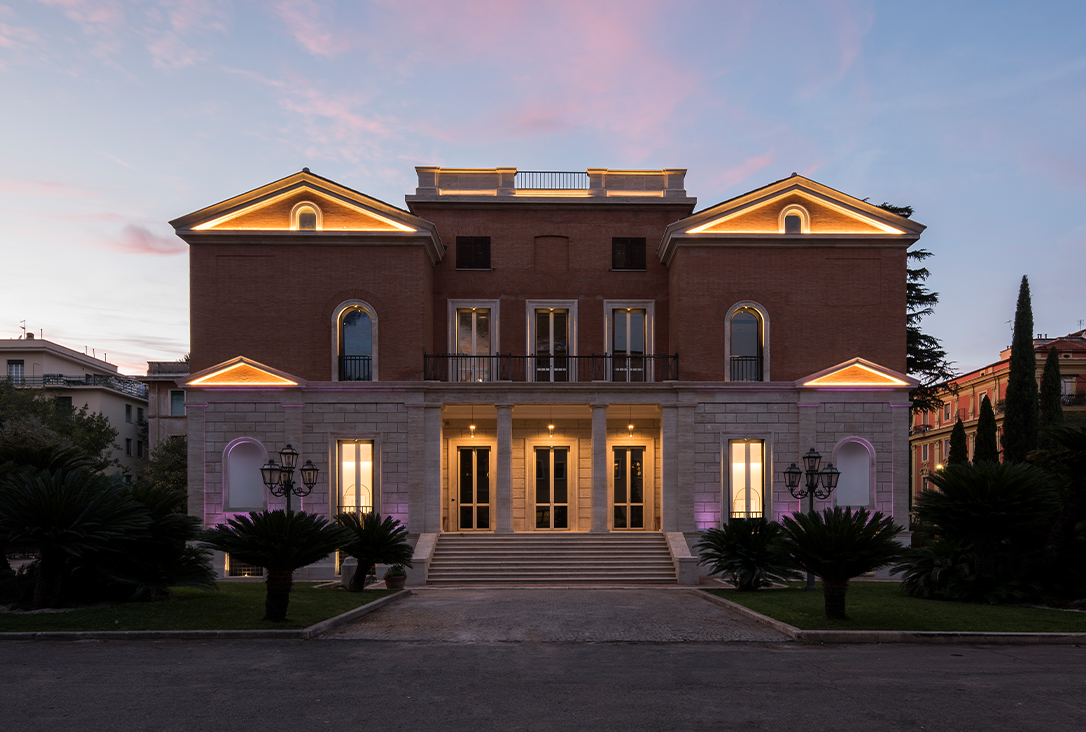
242	372
858	374
815	216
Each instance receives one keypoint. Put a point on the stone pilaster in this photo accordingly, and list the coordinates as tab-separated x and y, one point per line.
599	468
504	493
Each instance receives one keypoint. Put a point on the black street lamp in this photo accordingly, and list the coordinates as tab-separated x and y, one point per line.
820	484
279	478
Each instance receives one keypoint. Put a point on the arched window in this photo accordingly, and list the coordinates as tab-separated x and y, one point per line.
306	216
355	342
794	219
854	458
243	486
745	339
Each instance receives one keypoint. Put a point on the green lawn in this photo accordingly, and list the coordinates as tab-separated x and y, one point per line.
881	606
235	606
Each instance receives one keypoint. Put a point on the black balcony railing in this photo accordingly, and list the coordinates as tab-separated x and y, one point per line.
1074	400
549	369
116	383
746	368
552	180
356	368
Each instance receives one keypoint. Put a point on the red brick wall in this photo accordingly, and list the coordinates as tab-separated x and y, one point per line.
826	305
275	303
530	261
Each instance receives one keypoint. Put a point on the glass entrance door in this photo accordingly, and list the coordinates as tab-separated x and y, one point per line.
473	340
473	490
551	345
552	488
629	488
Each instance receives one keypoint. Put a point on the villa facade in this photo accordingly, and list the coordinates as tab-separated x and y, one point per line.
549	352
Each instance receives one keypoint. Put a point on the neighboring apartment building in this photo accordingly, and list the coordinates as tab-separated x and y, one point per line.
547	352
165	400
80	380
930	433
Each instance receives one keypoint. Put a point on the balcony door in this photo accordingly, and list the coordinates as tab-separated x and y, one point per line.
473	344
551	347
628	339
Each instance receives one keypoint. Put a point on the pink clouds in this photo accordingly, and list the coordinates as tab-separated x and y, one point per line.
307	21
141	240
53	189
736	174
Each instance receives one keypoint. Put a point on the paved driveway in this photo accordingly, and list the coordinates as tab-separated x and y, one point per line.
556	615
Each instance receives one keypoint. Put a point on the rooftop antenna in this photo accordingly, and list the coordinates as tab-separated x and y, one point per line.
22	324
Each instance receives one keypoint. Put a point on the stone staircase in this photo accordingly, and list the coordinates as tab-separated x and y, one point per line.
551	559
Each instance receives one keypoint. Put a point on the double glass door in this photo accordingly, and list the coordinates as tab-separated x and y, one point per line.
473	489
629	488
552	488
628	345
473	339
552	345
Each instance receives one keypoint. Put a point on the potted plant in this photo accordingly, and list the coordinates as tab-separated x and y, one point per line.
395	577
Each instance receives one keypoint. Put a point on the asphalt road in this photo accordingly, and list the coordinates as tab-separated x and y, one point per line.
398	685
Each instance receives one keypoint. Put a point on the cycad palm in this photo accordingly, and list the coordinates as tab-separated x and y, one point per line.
748	552
839	544
374	540
280	542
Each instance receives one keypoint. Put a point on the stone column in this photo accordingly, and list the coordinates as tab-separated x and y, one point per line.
669	468
431	469
599	468
504	493
194	423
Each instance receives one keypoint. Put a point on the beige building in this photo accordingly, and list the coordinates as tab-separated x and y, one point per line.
78	380
165	400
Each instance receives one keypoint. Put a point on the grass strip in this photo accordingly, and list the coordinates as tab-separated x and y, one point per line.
234	606
881	606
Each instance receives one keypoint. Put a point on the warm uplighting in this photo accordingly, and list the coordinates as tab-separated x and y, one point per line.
550	429
938	466
856	374
471	427
771	228
241	373
286	224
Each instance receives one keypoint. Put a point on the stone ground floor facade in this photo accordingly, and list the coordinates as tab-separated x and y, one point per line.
521	457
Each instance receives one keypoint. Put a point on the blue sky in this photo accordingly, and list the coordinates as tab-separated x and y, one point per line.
120	115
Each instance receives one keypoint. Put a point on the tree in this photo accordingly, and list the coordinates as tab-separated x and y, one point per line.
748	552
1050	412
925	356
33	418
959	448
1020	415
280	542
986	505
1065	458
986	448
167	466
374	540
839	544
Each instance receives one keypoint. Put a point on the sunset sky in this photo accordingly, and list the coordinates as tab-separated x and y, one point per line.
120	115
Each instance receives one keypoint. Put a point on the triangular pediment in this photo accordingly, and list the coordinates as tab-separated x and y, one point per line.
858	374
242	372
329	209
819	212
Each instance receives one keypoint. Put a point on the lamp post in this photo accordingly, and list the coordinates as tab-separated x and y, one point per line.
279	478
819	483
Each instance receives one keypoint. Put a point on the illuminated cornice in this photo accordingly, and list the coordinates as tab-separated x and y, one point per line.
241	372
855	215
294	191
858	374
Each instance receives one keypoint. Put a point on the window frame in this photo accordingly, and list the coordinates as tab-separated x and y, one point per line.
763	317
630	240
794	209
649	306
573	444
336	484
474	240
295	214
227	506
20	376
530	309
173	412
128	414
337	317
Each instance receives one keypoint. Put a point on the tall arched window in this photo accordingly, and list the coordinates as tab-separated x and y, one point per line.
355	342
243	488
854	458
306	216
746	345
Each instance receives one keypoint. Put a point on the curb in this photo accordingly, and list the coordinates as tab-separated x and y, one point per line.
815	637
313	631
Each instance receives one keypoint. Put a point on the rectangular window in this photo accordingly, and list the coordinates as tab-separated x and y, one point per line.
139	415
15	371
628	345
551	347
355	477
139	448
628	252
746	478
473	344
128	446
64	403
177	404
236	568
128	413
473	252
924	452
946	412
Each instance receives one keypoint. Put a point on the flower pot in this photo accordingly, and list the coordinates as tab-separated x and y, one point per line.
395	583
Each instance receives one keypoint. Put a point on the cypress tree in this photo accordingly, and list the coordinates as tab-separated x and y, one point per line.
1051	407
959	449
986	448
1021	413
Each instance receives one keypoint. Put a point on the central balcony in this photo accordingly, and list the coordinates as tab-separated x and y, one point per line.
454	367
